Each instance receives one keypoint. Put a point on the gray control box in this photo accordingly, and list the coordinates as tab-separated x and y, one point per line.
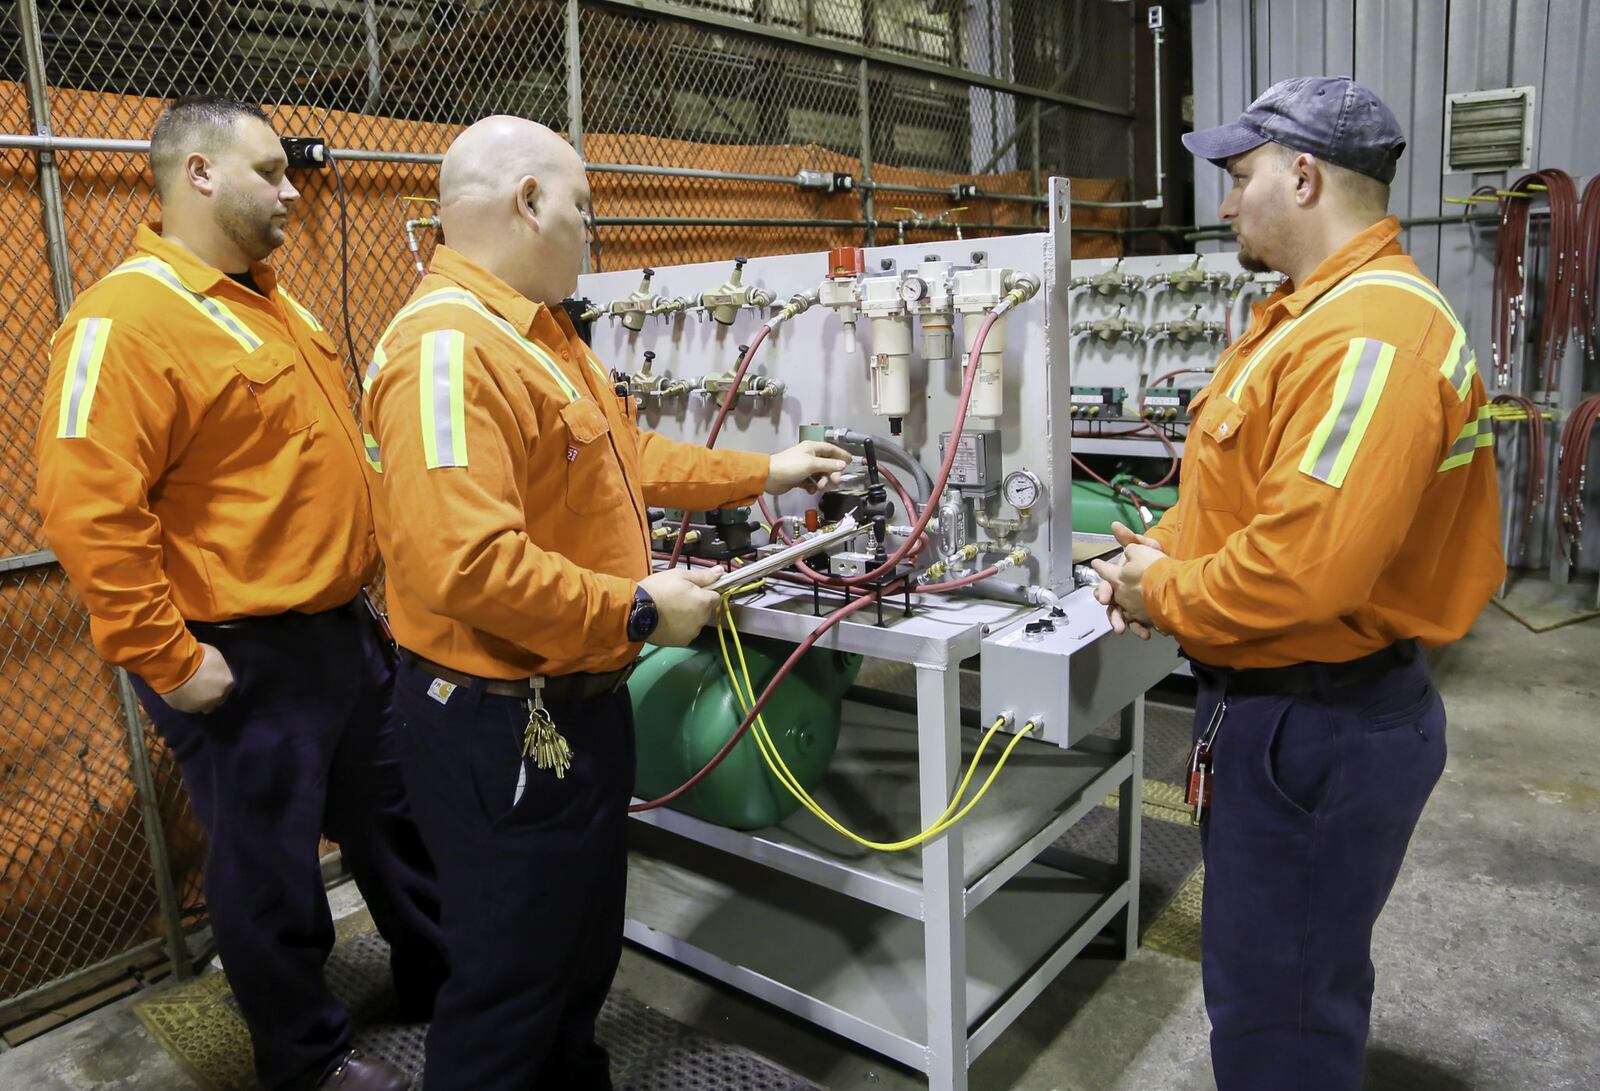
1063	669
977	465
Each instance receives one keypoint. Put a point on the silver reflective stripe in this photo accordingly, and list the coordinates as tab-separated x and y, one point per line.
1354	398
443	434
1478	433
1458	370
80	376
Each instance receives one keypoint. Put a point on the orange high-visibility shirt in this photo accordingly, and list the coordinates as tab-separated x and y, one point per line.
510	482
1338	490
198	459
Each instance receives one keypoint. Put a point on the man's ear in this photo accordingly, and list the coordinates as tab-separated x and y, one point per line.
1308	180
528	200
200	173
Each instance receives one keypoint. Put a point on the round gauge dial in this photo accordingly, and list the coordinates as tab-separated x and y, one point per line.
913	288
1022	489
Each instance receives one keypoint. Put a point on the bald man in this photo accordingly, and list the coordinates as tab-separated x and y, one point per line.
511	484
200	477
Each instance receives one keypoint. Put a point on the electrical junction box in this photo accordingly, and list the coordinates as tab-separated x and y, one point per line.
1167	403
977	465
1102	402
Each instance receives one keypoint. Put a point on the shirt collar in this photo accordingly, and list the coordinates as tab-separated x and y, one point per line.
495	293
1377	241
195	273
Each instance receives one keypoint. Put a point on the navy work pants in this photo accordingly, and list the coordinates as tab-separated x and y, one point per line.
302	747
1314	801
532	879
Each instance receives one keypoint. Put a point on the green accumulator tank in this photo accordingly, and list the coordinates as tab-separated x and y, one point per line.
684	710
1094	506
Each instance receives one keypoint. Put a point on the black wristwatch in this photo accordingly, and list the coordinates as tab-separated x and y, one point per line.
643	617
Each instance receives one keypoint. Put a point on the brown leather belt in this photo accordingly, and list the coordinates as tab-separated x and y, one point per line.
561	687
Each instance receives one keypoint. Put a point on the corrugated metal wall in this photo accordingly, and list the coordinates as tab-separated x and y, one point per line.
1414	53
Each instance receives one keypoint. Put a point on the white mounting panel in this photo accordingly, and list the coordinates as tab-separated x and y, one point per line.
826	384
1130	364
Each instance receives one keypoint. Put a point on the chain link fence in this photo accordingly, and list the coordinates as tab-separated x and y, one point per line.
697	117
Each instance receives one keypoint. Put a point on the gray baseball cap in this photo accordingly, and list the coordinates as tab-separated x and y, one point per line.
1331	117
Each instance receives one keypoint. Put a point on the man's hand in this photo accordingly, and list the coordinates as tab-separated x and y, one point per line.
683	603
1122	592
810	465
206	688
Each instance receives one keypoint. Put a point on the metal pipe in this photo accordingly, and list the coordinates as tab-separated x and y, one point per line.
574	84
22	562
155	834
50	203
700	221
864	104
358	155
575	110
1160	198
369	15
1222	232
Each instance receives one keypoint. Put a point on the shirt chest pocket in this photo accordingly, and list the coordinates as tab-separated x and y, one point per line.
279	391
594	478
1214	470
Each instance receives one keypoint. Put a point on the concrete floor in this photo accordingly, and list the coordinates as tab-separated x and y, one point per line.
1488	955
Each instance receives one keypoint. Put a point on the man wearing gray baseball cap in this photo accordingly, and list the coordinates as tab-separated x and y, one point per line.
1338	511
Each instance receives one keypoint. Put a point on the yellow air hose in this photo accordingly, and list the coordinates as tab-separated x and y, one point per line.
744	689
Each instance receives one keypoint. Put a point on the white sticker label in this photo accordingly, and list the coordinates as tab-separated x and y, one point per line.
440	690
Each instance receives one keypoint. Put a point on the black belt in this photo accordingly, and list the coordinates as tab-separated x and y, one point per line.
561	687
289	620
1307	677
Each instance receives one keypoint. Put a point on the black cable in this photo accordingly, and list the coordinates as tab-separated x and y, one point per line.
344	268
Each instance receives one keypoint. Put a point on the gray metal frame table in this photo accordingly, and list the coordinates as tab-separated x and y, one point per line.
924	957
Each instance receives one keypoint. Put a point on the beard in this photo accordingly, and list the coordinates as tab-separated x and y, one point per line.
1250	261
251	227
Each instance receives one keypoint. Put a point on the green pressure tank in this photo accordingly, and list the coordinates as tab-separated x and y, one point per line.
684	710
1094	506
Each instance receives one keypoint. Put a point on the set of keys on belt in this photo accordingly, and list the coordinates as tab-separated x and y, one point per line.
1199	794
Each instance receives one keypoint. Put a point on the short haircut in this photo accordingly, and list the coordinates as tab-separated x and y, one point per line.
194	123
1363	191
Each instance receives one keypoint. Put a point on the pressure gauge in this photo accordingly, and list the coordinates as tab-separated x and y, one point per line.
913	288
1022	489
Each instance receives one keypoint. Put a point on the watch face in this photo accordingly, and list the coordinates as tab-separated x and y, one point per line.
642	619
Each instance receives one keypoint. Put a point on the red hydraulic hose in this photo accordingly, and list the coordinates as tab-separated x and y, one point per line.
744	725
1589	267
849	608
1560	312
1144	426
1572	474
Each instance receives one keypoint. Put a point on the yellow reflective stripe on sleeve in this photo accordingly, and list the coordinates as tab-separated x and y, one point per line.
1477	435
214	309
309	318
463	298
443	400
369	444
89	342
379	358
1356	393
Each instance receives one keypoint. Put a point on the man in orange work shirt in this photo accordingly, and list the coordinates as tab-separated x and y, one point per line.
200	480
511	482
1338	507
